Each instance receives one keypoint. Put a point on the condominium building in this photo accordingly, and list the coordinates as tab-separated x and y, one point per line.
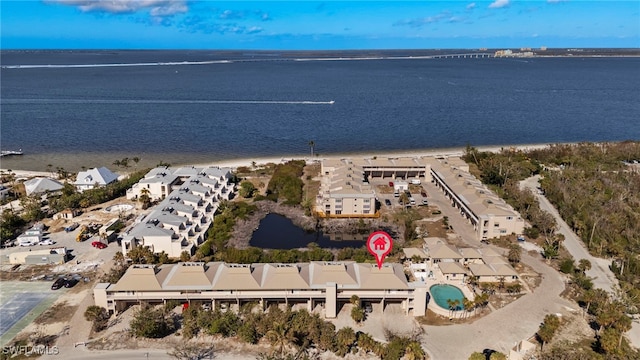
316	285
344	191
490	216
179	222
395	168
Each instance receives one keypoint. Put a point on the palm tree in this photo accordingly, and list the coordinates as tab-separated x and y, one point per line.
279	337
414	351
456	306
473	281
311	145
450	305
468	306
584	265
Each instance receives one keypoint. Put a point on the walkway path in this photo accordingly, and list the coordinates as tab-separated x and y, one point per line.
602	276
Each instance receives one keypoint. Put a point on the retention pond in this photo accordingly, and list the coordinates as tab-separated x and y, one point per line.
278	232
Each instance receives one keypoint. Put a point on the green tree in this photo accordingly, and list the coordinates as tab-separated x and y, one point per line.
145	198
414	351
279	337
185	256
357	314
142	255
345	339
247	189
98	316
548	329
584	265
10	223
151	323
515	253
477	356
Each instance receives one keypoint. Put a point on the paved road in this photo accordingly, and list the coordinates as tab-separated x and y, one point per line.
501	329
600	272
602	276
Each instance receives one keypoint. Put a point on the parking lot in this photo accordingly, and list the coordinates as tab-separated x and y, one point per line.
385	192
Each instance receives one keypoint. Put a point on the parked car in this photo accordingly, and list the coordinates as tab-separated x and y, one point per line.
396	194
98	245
69	283
28	243
391	183
416	181
46	242
71	227
58	284
9	243
387	202
425	202
423	193
412	201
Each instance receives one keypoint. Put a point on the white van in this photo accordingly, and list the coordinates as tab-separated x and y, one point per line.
416	181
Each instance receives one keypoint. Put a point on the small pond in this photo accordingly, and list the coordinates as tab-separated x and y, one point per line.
278	232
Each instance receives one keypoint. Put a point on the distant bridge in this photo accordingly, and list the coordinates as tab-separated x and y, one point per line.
462	56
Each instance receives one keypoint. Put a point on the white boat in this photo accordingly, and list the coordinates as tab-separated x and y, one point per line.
10	152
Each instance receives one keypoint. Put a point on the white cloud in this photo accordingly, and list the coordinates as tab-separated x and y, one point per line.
499	4
471	6
155	7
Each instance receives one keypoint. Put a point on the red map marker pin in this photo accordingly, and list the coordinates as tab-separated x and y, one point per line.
379	244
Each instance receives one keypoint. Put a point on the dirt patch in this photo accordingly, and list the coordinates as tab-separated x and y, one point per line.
460	318
56	313
434	227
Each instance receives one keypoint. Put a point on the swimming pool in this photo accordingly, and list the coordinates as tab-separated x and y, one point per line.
442	293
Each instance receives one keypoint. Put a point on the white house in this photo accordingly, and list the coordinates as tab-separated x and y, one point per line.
95	177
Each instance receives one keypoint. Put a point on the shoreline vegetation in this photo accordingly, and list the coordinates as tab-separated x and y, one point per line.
42	170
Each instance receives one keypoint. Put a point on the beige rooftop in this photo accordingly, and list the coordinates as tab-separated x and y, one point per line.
222	276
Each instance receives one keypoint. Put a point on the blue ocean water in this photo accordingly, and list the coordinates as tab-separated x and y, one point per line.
273	106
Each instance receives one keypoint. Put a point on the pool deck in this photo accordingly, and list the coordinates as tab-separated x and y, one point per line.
440	279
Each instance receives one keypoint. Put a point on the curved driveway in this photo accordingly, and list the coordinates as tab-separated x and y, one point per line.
501	329
602	276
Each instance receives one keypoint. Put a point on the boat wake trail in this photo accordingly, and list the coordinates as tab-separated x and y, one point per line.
171	63
162	101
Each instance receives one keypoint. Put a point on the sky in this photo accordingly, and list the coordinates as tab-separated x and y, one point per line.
317	25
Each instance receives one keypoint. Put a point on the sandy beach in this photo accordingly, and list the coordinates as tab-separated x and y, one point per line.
235	163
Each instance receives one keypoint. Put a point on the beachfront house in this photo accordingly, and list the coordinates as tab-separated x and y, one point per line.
41	185
92	178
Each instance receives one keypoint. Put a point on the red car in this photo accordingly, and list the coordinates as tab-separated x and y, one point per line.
98	244
391	183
